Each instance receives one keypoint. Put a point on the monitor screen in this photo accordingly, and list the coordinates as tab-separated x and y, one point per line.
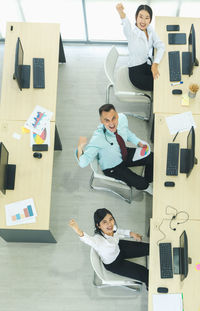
183	256
192	49
19	55
3	167
191	150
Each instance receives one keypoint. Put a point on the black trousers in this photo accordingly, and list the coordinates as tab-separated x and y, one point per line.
141	77
122	171
130	249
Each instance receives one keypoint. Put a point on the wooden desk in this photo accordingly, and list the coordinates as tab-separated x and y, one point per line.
185	195
164	100
33	180
33	176
38	40
190	287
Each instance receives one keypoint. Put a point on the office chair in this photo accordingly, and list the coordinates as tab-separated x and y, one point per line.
123	88
105	278
110	184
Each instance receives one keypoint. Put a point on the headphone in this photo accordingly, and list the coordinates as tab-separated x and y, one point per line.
104	130
174	217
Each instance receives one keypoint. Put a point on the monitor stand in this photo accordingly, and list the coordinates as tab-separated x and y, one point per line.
196	62
26	69
10	176
185	153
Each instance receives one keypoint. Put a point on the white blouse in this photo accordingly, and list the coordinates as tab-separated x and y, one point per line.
140	48
106	246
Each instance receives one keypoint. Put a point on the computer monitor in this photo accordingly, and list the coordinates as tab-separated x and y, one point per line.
7	171
180	257
192	50
183	259
21	71
3	167
19	56
191	150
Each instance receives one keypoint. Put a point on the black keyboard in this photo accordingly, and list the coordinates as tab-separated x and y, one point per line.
174	66
172	159
38	73
166	270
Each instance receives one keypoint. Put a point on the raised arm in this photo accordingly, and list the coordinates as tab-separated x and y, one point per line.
81	143
120	10
73	224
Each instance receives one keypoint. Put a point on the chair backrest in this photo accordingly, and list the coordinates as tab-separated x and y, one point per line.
126	91
110	62
106	276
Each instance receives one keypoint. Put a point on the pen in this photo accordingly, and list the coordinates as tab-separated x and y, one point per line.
177	83
175	136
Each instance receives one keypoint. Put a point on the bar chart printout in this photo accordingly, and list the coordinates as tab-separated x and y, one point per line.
21	212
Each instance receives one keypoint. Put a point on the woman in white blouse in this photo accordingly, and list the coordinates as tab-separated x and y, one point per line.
111	249
142	38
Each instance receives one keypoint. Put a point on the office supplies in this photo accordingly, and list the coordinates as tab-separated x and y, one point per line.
177	38
38	73
180	122
172	159
37	155
175	136
166	270
169	183
20	212
172	27
172	302
174	65
162	290
176	83
40	147
176	92
38	119
21	71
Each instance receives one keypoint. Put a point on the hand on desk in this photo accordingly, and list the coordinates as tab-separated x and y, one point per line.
136	236
154	69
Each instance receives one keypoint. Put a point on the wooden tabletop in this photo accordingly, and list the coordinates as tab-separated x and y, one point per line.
33	176
38	40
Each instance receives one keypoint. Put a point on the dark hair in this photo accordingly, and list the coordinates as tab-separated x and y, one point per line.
146	8
106	107
98	216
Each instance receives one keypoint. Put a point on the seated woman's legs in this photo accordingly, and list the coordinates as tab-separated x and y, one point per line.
141	77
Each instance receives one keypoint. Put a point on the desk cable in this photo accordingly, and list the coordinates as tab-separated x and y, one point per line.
174	216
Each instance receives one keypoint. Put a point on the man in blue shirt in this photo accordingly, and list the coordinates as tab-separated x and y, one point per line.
108	142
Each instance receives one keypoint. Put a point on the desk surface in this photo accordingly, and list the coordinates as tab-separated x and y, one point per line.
38	40
33	176
185	195
164	100
190	287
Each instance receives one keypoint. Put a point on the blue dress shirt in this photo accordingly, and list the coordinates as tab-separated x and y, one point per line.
105	145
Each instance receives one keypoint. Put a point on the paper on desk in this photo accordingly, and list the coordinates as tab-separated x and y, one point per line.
38	119
167	302
180	122
43	138
143	152
20	212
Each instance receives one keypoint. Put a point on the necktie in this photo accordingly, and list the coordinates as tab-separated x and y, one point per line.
121	145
